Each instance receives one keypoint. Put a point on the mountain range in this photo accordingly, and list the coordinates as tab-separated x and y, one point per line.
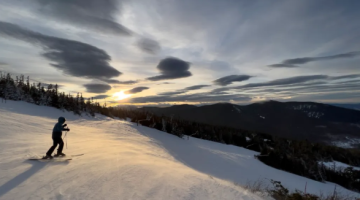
296	120
355	106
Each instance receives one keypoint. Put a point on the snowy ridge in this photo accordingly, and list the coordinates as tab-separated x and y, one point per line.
124	161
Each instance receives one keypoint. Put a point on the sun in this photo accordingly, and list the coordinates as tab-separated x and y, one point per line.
121	95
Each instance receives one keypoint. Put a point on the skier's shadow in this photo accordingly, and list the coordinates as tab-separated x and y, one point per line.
17	180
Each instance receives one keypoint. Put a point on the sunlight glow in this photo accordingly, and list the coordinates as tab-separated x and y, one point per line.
121	95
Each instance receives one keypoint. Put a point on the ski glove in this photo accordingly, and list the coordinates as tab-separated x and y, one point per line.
64	125
66	129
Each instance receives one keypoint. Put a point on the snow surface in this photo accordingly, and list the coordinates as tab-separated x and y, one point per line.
338	166
124	161
347	143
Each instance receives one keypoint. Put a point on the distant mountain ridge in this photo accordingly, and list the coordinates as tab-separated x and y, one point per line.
355	106
296	120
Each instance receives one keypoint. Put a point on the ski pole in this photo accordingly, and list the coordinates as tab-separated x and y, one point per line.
66	139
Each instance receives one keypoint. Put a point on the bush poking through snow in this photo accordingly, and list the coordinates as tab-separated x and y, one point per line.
258	186
277	191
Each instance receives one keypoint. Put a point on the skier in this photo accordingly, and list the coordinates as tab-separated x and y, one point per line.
56	136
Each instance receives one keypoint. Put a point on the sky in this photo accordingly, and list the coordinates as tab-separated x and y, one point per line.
166	52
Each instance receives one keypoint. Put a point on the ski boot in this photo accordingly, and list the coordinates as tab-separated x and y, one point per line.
47	157
59	155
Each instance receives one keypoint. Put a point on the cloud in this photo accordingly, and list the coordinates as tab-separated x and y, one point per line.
165	83
285	81
283	65
2	63
101	96
196	87
313	91
172	68
148	45
325	84
111	81
277	82
299	61
92	14
136	90
200	97
279	88
172	93
350	76
71	57
97	88
227	80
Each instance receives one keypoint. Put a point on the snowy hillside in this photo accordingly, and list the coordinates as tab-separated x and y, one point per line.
124	161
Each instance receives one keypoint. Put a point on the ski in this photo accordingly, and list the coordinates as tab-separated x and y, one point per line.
56	159
51	160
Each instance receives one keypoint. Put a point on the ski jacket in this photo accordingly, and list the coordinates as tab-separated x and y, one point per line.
58	128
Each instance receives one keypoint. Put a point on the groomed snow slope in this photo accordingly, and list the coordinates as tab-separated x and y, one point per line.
123	161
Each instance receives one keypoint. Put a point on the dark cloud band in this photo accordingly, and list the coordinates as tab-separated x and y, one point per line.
71	57
284	81
172	93
195	87
101	96
97	88
299	61
111	81
227	80
136	90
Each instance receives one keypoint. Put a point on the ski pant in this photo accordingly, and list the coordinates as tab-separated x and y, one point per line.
56	140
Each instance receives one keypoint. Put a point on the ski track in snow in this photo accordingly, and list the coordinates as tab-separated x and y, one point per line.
123	161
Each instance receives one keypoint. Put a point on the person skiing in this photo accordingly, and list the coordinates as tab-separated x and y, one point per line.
56	136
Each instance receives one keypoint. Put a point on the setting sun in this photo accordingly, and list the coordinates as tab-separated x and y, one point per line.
121	95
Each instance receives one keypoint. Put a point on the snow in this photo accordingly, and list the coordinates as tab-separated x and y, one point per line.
248	139
237	109
314	114
124	161
304	106
306	109
339	166
347	143
262	117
